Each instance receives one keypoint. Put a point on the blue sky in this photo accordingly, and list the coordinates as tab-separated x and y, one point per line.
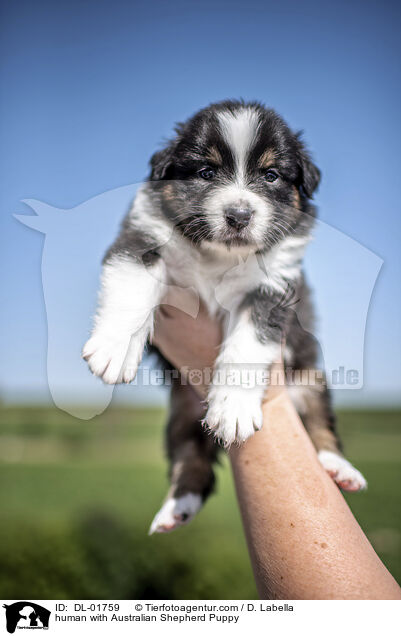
89	90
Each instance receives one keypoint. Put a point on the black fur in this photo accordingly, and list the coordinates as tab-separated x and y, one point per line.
139	246
180	161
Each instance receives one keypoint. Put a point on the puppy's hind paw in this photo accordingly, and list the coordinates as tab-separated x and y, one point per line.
176	512
342	471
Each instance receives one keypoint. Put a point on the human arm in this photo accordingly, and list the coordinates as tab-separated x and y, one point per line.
302	537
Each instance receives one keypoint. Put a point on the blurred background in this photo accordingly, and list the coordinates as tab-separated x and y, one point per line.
89	91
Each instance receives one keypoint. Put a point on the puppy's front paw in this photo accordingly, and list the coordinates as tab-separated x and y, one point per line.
112	359
234	413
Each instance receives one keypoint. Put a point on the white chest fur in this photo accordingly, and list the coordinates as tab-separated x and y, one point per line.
223	277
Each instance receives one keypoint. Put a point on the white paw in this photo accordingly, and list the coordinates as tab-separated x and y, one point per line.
113	359
234	413
175	513
342	471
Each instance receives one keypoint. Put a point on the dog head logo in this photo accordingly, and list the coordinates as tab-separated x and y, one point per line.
26	615
73	249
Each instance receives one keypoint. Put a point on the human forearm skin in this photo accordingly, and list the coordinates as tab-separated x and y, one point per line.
303	540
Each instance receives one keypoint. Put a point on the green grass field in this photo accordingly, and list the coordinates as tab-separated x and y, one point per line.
77	498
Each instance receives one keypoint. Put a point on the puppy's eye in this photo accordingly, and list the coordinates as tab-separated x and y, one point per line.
271	175
207	173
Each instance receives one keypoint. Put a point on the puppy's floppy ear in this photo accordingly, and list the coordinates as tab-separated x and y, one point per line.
309	174
161	163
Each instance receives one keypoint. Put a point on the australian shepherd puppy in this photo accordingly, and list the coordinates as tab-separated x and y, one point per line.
226	211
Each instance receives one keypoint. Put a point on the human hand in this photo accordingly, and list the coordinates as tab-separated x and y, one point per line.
188	343
193	344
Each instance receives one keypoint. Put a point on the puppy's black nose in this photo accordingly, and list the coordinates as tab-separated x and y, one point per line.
238	218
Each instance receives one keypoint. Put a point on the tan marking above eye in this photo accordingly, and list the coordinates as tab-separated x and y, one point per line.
267	159
214	156
168	192
296	198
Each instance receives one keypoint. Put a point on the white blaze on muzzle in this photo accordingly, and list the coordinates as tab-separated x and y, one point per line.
234	196
239	131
